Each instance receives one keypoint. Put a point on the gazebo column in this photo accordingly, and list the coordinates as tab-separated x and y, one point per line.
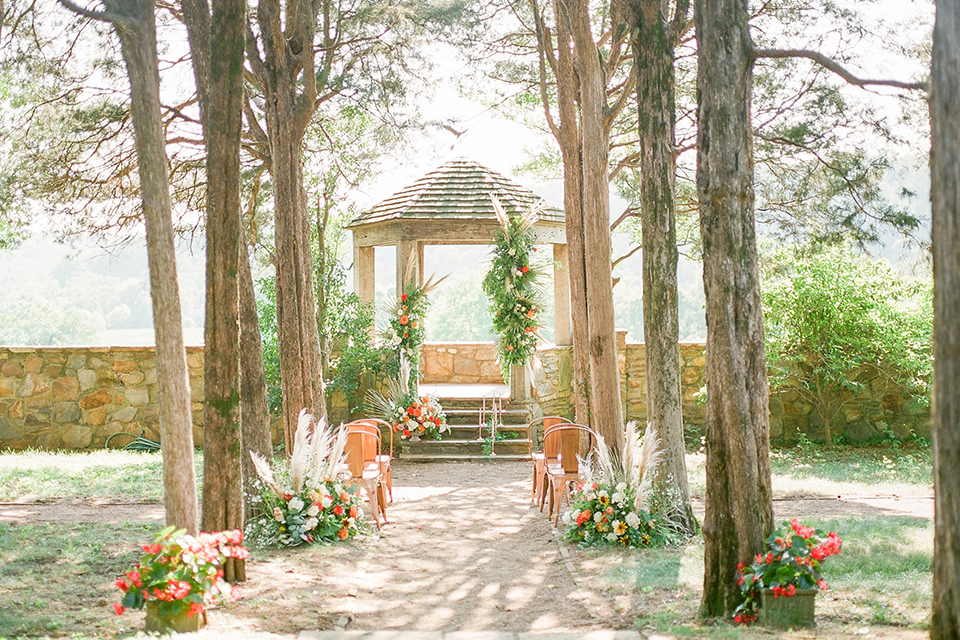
409	264
365	278
563	336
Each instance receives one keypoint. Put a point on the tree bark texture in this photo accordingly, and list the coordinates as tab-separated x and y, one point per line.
288	53
654	40
568	137
219	75
945	196
254	406
739	512
588	238
138	42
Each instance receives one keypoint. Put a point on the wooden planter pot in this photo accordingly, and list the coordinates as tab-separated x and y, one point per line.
788	611
172	624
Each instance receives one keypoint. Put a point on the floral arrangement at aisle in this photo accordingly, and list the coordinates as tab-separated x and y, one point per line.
792	560
181	573
405	331
310	501
611	505
411	415
512	286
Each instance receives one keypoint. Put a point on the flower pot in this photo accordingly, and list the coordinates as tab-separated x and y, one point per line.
415	438
787	611
172	624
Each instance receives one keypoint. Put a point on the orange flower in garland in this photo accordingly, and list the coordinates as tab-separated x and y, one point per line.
513	289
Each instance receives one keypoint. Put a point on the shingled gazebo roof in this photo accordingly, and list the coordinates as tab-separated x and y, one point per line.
459	190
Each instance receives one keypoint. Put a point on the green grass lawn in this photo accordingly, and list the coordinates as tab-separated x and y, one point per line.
57	579
107	475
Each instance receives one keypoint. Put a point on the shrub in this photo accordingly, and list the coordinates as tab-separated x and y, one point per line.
831	315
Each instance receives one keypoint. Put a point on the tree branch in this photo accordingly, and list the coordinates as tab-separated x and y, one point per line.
835	67
626	255
115	19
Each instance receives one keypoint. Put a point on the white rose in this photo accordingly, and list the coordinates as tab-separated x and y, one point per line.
313	510
311	524
512	252
295	503
597	516
617	497
326	501
621	487
612	537
633	520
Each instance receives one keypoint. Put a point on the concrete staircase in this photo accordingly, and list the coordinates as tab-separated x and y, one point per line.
462	442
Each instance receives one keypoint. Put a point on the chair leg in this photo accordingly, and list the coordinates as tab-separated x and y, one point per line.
564	493
382	500
390	484
534	482
374	504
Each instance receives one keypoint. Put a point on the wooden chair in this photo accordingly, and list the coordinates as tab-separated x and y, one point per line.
363	451
384	458
551	458
565	438
537	454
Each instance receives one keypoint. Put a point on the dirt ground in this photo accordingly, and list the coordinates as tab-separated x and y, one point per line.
464	549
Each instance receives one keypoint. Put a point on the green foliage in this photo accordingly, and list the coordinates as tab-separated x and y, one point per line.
37	322
345	324
833	319
512	287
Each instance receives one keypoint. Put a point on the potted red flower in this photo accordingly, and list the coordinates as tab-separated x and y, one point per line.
179	577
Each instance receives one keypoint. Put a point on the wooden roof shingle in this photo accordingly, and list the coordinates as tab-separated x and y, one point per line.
458	190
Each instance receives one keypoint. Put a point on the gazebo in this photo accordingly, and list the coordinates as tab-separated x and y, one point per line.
448	206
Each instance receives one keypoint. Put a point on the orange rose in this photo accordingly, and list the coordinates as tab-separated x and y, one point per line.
404	320
342	534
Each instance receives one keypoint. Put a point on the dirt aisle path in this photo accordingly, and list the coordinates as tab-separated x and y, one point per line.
464	550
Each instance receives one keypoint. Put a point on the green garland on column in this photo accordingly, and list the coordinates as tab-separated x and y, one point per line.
512	286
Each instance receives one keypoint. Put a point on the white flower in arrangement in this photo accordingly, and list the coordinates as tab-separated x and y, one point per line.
352	521
512	251
612	537
615	524
519	273
311	524
295	503
621	486
603	493
589	495
569	517
633	520
326	501
313	510
277	514
597	516
618	498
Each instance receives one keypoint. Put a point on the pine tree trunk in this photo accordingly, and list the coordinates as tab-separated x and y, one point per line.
219	76
739	511
653	51
138	42
254	406
288	52
569	141
945	196
589	241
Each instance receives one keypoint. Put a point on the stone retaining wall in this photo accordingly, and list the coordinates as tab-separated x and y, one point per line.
77	397
883	410
460	363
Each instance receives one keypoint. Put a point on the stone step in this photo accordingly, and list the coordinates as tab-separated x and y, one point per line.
470	431
463	457
458	415
450	449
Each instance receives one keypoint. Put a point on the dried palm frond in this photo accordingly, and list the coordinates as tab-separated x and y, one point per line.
646	465
335	461
262	467
501	215
300	457
432	283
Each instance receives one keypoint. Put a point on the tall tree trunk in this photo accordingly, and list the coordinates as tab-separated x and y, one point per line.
739	512
589	237
254	406
219	76
134	22
653	50
288	55
569	140
945	196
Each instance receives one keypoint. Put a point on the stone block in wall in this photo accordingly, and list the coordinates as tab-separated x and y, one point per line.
137	396
34	384
96	399
11	369
66	388
6	387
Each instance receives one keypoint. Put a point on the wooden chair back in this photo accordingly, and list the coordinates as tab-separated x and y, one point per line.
377	424
537	428
363	447
565	440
